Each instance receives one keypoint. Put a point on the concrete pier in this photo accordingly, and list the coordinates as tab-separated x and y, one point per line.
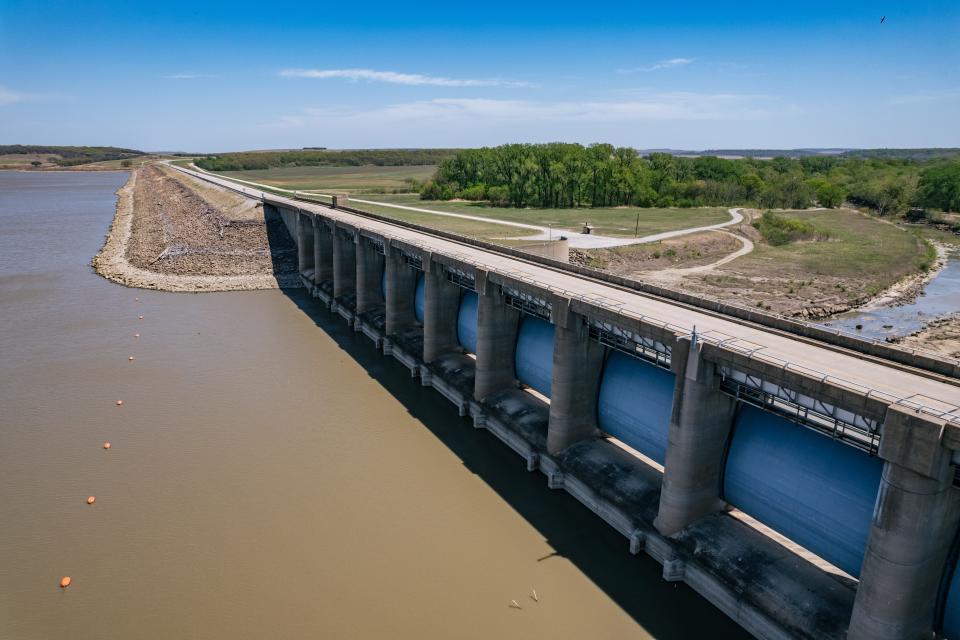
401	282
699	427
577	362
305	248
497	326
370	269
344	263
322	251
441	305
914	524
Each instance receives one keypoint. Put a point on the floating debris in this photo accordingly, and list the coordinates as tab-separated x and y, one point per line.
139	317
106	445
515	605
136	335
130	358
534	596
119	403
91	500
65	582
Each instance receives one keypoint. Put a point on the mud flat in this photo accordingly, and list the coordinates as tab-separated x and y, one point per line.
173	233
941	336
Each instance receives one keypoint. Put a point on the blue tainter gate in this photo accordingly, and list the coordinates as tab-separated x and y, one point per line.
814	490
533	359
636	398
467	321
418	298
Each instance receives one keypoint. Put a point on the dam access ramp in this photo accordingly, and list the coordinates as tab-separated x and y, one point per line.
800	480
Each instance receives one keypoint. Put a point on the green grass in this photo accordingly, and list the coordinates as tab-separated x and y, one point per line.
618	221
366	179
859	247
361	181
472	228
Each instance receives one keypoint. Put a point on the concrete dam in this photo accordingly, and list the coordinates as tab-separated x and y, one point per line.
806	489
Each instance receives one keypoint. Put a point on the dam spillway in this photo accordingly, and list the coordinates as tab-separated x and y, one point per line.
799	505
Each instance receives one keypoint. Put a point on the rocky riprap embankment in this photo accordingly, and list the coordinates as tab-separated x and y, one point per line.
174	233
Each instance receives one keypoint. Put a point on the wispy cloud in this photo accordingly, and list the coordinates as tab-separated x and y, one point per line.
663	64
394	77
9	96
188	76
909	99
478	112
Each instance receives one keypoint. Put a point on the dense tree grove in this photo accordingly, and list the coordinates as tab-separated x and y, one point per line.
601	175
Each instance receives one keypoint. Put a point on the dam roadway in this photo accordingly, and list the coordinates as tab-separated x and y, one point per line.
846	369
805	489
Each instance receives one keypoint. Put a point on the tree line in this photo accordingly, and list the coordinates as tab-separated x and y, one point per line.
563	175
71	156
258	160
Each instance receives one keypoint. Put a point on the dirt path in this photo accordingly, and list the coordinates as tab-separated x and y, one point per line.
166	236
679	272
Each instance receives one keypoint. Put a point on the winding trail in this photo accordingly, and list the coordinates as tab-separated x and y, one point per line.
679	272
577	240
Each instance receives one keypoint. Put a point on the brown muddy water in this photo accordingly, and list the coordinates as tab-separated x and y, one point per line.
270	476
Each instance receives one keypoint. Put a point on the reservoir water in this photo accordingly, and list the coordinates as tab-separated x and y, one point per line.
270	474
941	296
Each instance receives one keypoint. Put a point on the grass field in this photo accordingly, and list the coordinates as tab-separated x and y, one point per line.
473	228
859	247
619	221
369	179
364	182
862	257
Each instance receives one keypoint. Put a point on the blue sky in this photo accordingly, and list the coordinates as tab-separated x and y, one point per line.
211	76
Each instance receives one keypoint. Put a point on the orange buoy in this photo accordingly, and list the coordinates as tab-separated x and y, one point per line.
106	445
130	358
65	582
91	500
139	317
119	403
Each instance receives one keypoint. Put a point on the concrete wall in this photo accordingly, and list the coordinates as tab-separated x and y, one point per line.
558	250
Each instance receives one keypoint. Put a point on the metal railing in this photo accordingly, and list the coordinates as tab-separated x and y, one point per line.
642	347
854	429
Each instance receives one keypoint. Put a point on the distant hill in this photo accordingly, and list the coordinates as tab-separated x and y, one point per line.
923	153
69	156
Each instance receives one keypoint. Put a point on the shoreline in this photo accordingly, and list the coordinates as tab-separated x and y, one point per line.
941	335
111	261
909	289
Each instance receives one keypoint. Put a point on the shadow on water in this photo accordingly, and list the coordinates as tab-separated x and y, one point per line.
665	610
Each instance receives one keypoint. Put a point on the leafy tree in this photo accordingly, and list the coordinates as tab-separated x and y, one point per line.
828	194
939	187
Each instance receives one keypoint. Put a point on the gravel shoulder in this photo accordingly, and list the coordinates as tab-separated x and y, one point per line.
172	233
